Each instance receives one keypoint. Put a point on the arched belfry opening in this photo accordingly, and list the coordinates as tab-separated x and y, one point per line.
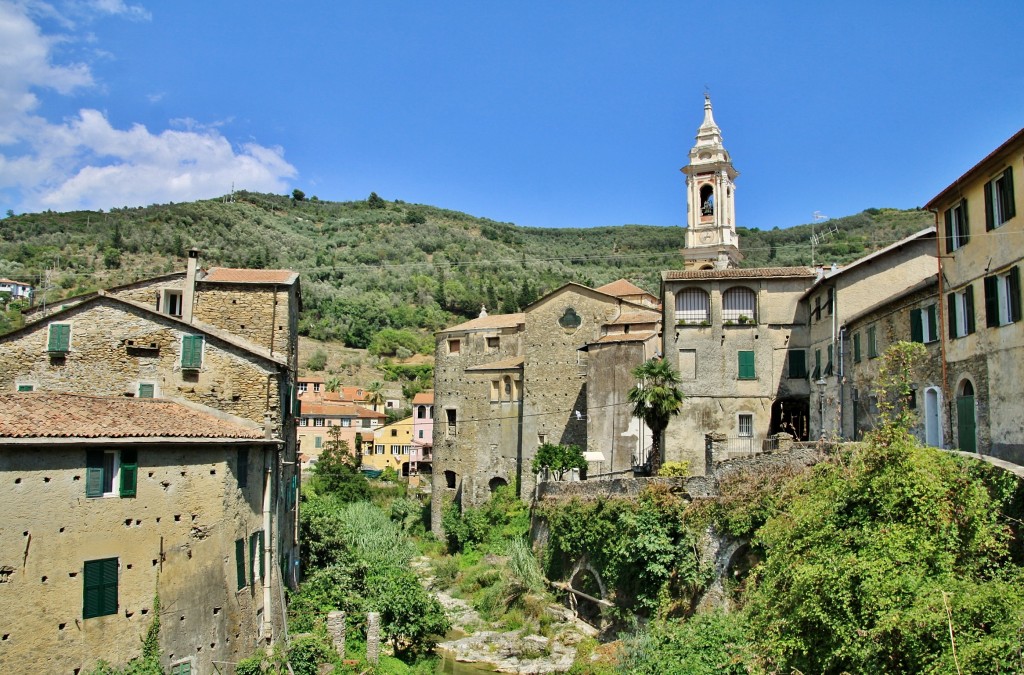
707	201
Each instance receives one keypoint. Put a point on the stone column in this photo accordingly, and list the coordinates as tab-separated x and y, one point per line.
336	629
713	446
373	637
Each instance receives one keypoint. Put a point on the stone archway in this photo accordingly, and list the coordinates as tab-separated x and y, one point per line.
587	580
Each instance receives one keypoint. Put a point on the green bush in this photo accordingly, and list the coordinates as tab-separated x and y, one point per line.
318	361
715	643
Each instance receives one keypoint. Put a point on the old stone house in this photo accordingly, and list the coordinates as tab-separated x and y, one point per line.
980	249
506	384
224	354
421	460
912	316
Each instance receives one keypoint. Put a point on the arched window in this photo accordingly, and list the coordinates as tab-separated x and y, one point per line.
739	304
692	306
421	412
707	200
506	386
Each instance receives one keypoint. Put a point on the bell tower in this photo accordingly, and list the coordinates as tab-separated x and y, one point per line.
711	241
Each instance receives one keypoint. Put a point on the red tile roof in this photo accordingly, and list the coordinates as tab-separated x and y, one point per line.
484	322
52	415
504	364
621	288
739	273
636	317
247	276
424	398
338	409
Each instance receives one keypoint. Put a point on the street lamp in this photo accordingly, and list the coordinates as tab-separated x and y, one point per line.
821	404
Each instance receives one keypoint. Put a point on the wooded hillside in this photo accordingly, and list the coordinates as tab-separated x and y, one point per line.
376	264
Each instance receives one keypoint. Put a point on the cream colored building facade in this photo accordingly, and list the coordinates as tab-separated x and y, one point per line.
201	497
392	447
981	245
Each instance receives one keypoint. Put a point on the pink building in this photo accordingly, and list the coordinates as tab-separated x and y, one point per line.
422	456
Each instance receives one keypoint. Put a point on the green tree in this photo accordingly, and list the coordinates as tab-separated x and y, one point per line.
558	459
656	398
298	195
337	472
375	202
375	394
318	361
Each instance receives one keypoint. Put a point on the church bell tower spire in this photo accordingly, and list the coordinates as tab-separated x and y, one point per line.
711	240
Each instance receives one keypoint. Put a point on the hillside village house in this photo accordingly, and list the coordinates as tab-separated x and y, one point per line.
392	448
322	422
421	458
16	289
980	249
151	428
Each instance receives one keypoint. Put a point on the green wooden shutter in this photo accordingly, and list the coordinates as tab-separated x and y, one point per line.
969	308
145	390
746	365
1013	289
989	215
817	364
933	322
25	387
94	473
60	337
254	541
240	562
828	366
991	302
797	363
191	351
951	315
872	343
949	230
916	329
262	546
1009	204
965	229
100	588
129	472
856	347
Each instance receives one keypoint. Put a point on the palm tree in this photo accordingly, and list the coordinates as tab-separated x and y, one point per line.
656	398
375	394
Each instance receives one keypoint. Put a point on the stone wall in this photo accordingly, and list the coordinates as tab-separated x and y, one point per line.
102	362
257	313
175	539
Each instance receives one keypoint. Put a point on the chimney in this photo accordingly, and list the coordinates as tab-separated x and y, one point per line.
188	294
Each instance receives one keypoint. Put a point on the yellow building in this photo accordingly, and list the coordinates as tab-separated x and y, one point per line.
392	446
980	249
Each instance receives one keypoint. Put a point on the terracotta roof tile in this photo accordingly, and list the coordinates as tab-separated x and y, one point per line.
636	317
621	288
248	276
423	398
339	409
493	321
739	273
52	415
641	336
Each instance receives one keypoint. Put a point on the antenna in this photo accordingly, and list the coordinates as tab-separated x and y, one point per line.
818	237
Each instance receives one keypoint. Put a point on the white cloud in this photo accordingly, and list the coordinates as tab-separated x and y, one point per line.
84	162
120	8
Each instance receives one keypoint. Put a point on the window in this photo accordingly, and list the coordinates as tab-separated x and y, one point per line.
255	546
303	422
856	347
817	308
316	387
693	307
172	302
421	412
60	338
745	424
242	467
396	449
318	421
454	346
26	387
817	365
872	343
302	387
739	305
999	206
367	423
746	365
450	416
318	442
394	432
1002	298
830	301
378	449
146	389
182	667
345	422
100	583
828	364
961	312
924	324
797	363
240	562
957	232
493	342
421	433
105	469
191	352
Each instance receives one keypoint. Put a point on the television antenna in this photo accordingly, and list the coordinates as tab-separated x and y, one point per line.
819	237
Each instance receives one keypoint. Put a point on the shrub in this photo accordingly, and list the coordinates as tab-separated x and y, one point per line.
675	469
318	361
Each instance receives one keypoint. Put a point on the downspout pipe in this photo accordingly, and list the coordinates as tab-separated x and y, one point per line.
270	459
943	332
841	374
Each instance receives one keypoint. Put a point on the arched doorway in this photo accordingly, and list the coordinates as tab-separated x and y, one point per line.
932	418
966	422
496	483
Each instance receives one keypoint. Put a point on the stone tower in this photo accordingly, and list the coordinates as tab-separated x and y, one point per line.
711	241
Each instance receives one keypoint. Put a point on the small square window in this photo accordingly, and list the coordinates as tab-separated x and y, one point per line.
100	588
746	365
454	346
191	352
745	424
493	342
26	387
146	389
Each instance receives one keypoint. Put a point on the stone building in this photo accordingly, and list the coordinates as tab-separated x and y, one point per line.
506	384
212	455
911	316
980	251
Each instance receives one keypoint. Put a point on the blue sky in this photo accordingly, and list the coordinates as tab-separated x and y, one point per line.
552	114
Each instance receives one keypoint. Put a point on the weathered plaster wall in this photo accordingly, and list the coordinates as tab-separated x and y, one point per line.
188	505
